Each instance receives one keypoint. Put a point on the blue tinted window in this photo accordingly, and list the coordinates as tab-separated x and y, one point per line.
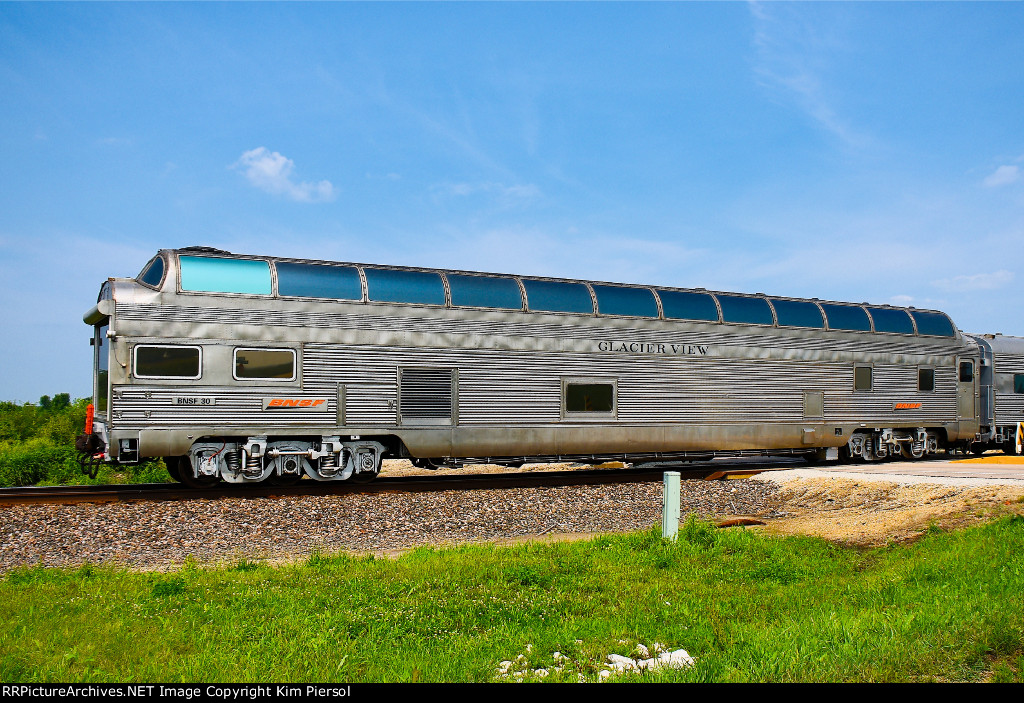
390	286
795	313
752	311
212	274
846	317
933	323
485	291
317	281
153	273
889	320
636	302
555	296
680	305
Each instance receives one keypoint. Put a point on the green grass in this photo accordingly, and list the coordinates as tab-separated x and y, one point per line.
37	447
746	607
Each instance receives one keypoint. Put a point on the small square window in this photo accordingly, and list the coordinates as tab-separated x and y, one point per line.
966	371
588	398
166	361
267	364
862	378
926	379
1018	383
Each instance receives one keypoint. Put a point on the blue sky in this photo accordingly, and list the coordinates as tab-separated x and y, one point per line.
846	151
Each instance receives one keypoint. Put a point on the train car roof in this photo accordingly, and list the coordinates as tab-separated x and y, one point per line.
933	319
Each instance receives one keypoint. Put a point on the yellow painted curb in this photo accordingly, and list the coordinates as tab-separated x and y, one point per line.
1004	459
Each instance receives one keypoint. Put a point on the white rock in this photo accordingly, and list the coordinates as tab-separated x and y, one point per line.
604	673
621	662
504	666
676	660
540	672
643	651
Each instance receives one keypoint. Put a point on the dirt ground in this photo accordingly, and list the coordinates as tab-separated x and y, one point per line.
860	511
869	512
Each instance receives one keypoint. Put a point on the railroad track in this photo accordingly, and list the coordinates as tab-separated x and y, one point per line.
383	484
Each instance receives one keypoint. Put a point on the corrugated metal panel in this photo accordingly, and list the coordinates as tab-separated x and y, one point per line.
524	388
464	324
426	393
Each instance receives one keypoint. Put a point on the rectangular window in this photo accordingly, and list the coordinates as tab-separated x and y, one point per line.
588	399
318	281
395	286
892	320
165	361
798	313
619	300
846	317
934	324
557	296
683	305
265	363
750	311
1018	383
966	372
217	275
926	379
485	292
861	378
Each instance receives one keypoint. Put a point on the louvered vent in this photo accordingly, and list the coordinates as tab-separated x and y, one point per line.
426	394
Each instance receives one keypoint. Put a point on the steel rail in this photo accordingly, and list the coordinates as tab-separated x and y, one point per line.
383	484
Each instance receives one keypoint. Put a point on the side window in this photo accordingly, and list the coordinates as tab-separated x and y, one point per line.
861	378
966	371
684	305
166	361
1018	383
153	273
394	286
485	292
847	317
892	320
557	296
798	313
619	300
276	364
926	379
318	281
750	311
933	323
584	398
216	275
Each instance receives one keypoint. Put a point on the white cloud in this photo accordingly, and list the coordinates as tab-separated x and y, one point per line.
1004	175
272	172
792	58
512	192
979	281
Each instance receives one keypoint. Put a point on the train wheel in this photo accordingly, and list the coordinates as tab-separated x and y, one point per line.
285	480
171	462
186	476
364	476
977	448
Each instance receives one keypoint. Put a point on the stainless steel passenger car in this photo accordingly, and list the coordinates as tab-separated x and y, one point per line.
246	368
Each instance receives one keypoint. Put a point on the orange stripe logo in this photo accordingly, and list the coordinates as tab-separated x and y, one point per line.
906	406
282	403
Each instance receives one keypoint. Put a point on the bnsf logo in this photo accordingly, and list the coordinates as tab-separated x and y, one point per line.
906	406
293	402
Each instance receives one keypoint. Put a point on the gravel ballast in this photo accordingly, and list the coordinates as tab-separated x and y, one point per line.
155	535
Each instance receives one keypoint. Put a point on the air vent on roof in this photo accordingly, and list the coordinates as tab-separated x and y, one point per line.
204	250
